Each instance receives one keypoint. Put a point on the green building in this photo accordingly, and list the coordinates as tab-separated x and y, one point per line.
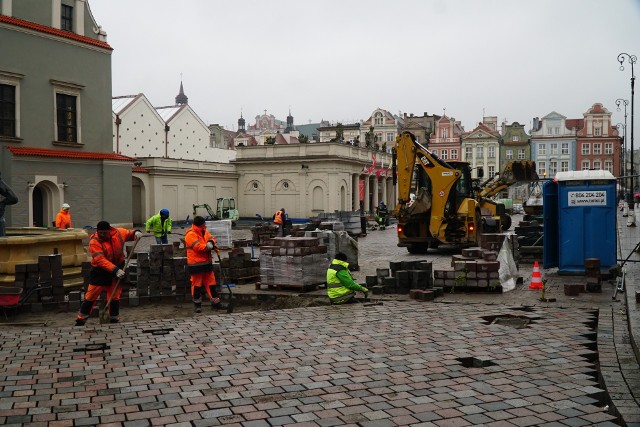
55	116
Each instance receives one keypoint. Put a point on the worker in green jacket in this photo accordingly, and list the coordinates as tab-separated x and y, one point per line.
160	224
340	285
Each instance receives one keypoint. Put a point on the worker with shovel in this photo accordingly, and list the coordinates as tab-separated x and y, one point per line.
106	247
199	244
341	288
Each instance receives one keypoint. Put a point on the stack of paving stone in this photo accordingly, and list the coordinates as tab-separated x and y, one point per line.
404	277
293	262
338	241
476	269
592	273
529	237
350	220
262	232
159	273
46	276
239	268
221	231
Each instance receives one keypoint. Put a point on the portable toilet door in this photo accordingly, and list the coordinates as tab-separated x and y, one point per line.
550	224
586	219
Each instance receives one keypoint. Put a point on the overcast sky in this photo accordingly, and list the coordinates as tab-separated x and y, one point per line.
339	60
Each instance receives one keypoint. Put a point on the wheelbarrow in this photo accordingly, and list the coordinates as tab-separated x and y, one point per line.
13	297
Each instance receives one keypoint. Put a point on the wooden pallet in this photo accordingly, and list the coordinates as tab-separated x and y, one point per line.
288	286
244	280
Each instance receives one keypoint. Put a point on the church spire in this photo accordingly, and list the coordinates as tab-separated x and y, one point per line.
241	123
289	127
181	99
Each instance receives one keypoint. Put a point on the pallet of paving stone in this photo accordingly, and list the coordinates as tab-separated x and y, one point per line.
289	286
245	280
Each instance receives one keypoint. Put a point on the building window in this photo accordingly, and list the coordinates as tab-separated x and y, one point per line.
515	138
390	137
67	118
492	171
542	149
434	152
468	153
7	110
68	113
586	165
378	119
597	131
564	166
509	154
565	148
557	130
554	149
549	130
418	139
597	148
444	154
492	152
454	154
66	18
608	165
444	133
521	154
586	149
553	168
479	152
597	164
542	168
608	148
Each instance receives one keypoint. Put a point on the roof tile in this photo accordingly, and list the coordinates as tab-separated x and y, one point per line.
49	152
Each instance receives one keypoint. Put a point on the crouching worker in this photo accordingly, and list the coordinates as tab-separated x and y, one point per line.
106	247
340	285
199	244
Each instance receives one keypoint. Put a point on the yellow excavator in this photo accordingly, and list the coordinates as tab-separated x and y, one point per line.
449	206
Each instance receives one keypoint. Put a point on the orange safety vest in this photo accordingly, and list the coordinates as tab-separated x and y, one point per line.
278	218
109	255
195	240
63	219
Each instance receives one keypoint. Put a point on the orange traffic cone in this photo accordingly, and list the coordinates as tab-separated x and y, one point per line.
536	278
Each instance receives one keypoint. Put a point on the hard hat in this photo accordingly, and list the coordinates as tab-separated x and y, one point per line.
65	206
164	212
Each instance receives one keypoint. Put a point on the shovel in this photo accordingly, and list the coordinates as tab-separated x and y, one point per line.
224	280
103	315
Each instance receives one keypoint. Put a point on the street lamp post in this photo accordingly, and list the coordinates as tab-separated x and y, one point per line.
624	102
623	165
632	59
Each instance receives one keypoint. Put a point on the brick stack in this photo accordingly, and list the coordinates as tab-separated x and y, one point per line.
293	262
476	269
338	241
159	273
350	221
592	273
261	233
401	278
239	268
46	276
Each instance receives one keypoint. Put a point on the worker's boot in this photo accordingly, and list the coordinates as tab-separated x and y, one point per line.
80	322
197	307
216	304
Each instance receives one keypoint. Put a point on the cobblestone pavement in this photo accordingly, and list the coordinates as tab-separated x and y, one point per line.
468	359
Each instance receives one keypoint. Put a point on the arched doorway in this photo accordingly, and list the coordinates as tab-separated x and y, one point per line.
343	198
138	205
45	201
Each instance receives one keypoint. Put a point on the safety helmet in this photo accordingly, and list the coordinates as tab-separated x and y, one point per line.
65	206
164	212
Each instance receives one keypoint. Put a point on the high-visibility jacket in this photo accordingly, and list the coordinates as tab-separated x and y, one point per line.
107	256
195	240
340	284
63	219
156	225
278	218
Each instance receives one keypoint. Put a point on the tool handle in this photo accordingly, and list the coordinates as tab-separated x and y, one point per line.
103	315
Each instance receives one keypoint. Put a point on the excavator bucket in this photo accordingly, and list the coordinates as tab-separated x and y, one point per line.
518	171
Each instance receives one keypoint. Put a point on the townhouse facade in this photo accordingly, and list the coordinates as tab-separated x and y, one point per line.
599	143
445	141
421	126
515	144
553	144
481	147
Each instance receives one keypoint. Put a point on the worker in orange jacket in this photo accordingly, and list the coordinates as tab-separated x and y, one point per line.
63	218
279	218
199	244
106	247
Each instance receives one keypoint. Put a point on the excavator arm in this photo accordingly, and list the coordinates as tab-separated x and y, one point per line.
514	171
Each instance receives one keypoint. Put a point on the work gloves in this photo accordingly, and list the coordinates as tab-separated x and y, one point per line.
365	290
137	234
120	274
210	245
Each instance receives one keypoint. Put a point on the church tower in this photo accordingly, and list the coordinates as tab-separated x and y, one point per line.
181	99
289	128
241	124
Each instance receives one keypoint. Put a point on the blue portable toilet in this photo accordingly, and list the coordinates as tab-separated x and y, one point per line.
579	218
